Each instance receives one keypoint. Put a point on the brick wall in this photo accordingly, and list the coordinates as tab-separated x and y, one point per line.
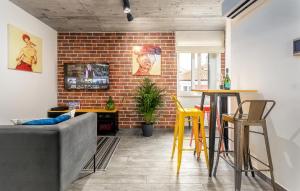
116	49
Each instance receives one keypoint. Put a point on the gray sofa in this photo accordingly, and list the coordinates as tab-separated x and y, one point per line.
46	158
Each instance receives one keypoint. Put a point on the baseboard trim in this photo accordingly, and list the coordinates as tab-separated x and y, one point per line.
268	180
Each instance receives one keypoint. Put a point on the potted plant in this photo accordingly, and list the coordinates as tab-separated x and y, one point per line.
110	104
149	98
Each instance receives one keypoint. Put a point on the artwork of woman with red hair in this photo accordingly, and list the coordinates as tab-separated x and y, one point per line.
146	57
27	55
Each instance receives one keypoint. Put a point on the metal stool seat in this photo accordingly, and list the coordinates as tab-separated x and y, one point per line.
256	116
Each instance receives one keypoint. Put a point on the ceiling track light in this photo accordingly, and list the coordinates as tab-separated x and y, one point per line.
126	6
127	10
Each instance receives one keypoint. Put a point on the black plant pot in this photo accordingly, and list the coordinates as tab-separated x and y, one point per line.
147	130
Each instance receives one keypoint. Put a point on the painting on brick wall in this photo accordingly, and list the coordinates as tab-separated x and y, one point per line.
24	50
146	60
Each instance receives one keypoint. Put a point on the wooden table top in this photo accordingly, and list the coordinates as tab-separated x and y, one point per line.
87	111
225	91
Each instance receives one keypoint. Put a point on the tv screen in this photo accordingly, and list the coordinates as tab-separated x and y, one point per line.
86	76
297	47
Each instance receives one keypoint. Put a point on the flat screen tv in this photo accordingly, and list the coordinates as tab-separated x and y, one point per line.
86	76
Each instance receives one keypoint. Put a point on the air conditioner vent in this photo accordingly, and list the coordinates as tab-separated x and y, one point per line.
233	8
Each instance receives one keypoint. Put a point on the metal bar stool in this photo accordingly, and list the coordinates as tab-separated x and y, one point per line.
257	113
181	114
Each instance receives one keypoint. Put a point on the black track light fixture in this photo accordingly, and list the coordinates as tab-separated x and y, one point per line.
127	10
129	17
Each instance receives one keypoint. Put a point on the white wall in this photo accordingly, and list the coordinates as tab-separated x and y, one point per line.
262	59
26	94
200	41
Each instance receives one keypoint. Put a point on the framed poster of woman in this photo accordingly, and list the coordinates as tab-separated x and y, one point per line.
146	60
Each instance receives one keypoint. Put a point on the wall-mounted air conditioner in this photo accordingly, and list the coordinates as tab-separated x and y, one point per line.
233	8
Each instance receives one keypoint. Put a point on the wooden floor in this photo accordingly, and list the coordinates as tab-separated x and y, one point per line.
144	164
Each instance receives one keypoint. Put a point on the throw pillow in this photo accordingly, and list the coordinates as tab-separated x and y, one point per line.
45	121
48	121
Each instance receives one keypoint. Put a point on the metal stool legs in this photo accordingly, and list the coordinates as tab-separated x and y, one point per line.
265	132
242	154
175	135
238	157
179	137
246	152
180	142
219	150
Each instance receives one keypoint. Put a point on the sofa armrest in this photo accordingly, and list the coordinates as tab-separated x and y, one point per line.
78	144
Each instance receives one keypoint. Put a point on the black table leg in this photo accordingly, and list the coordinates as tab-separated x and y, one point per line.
212	131
202	101
94	165
238	99
224	109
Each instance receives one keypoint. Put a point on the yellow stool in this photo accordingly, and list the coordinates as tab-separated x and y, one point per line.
195	114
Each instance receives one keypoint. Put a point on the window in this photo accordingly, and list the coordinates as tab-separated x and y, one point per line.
194	71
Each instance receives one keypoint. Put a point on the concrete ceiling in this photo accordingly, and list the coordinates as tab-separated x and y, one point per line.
107	15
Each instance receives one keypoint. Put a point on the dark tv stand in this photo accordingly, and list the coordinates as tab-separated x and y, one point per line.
107	120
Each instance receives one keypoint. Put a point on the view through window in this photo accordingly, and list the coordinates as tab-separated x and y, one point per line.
192	72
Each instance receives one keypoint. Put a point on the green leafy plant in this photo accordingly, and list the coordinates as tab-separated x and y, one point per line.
149	98
110	104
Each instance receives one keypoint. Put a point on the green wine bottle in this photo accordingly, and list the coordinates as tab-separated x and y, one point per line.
227	81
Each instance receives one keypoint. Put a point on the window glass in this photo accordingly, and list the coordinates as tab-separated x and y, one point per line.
193	72
200	71
184	72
